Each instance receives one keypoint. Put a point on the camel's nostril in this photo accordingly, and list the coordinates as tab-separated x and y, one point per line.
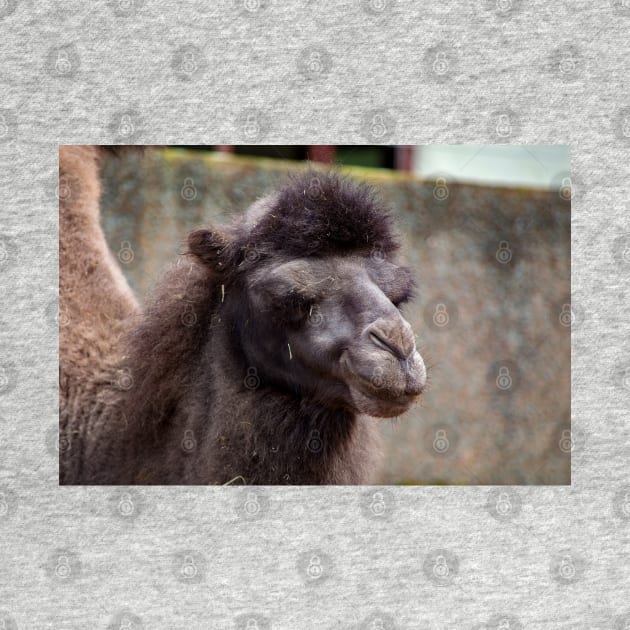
383	344
396	344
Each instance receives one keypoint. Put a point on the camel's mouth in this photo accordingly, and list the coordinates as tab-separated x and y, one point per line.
387	392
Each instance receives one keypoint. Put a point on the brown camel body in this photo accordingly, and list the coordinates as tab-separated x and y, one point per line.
263	357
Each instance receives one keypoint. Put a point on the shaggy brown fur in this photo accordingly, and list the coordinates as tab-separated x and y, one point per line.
224	377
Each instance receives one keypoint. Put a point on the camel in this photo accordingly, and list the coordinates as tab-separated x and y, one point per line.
266	355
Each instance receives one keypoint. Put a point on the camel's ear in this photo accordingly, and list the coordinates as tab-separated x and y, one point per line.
211	247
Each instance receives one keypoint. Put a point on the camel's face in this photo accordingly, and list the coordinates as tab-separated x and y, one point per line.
332	327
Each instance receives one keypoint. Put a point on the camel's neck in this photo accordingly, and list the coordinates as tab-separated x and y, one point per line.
196	402
269	435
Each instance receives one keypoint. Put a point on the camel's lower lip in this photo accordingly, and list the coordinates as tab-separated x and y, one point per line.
374	389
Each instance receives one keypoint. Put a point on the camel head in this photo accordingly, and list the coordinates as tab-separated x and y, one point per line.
312	291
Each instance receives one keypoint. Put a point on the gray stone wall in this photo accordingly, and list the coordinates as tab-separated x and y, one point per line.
492	313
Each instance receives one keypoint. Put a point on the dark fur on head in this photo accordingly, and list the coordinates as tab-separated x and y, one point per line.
319	214
316	213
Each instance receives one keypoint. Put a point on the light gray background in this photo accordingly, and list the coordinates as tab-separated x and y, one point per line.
83	557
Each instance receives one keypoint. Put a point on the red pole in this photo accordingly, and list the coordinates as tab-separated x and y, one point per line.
404	158
321	153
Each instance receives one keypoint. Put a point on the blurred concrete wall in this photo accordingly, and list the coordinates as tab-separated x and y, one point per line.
492	315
